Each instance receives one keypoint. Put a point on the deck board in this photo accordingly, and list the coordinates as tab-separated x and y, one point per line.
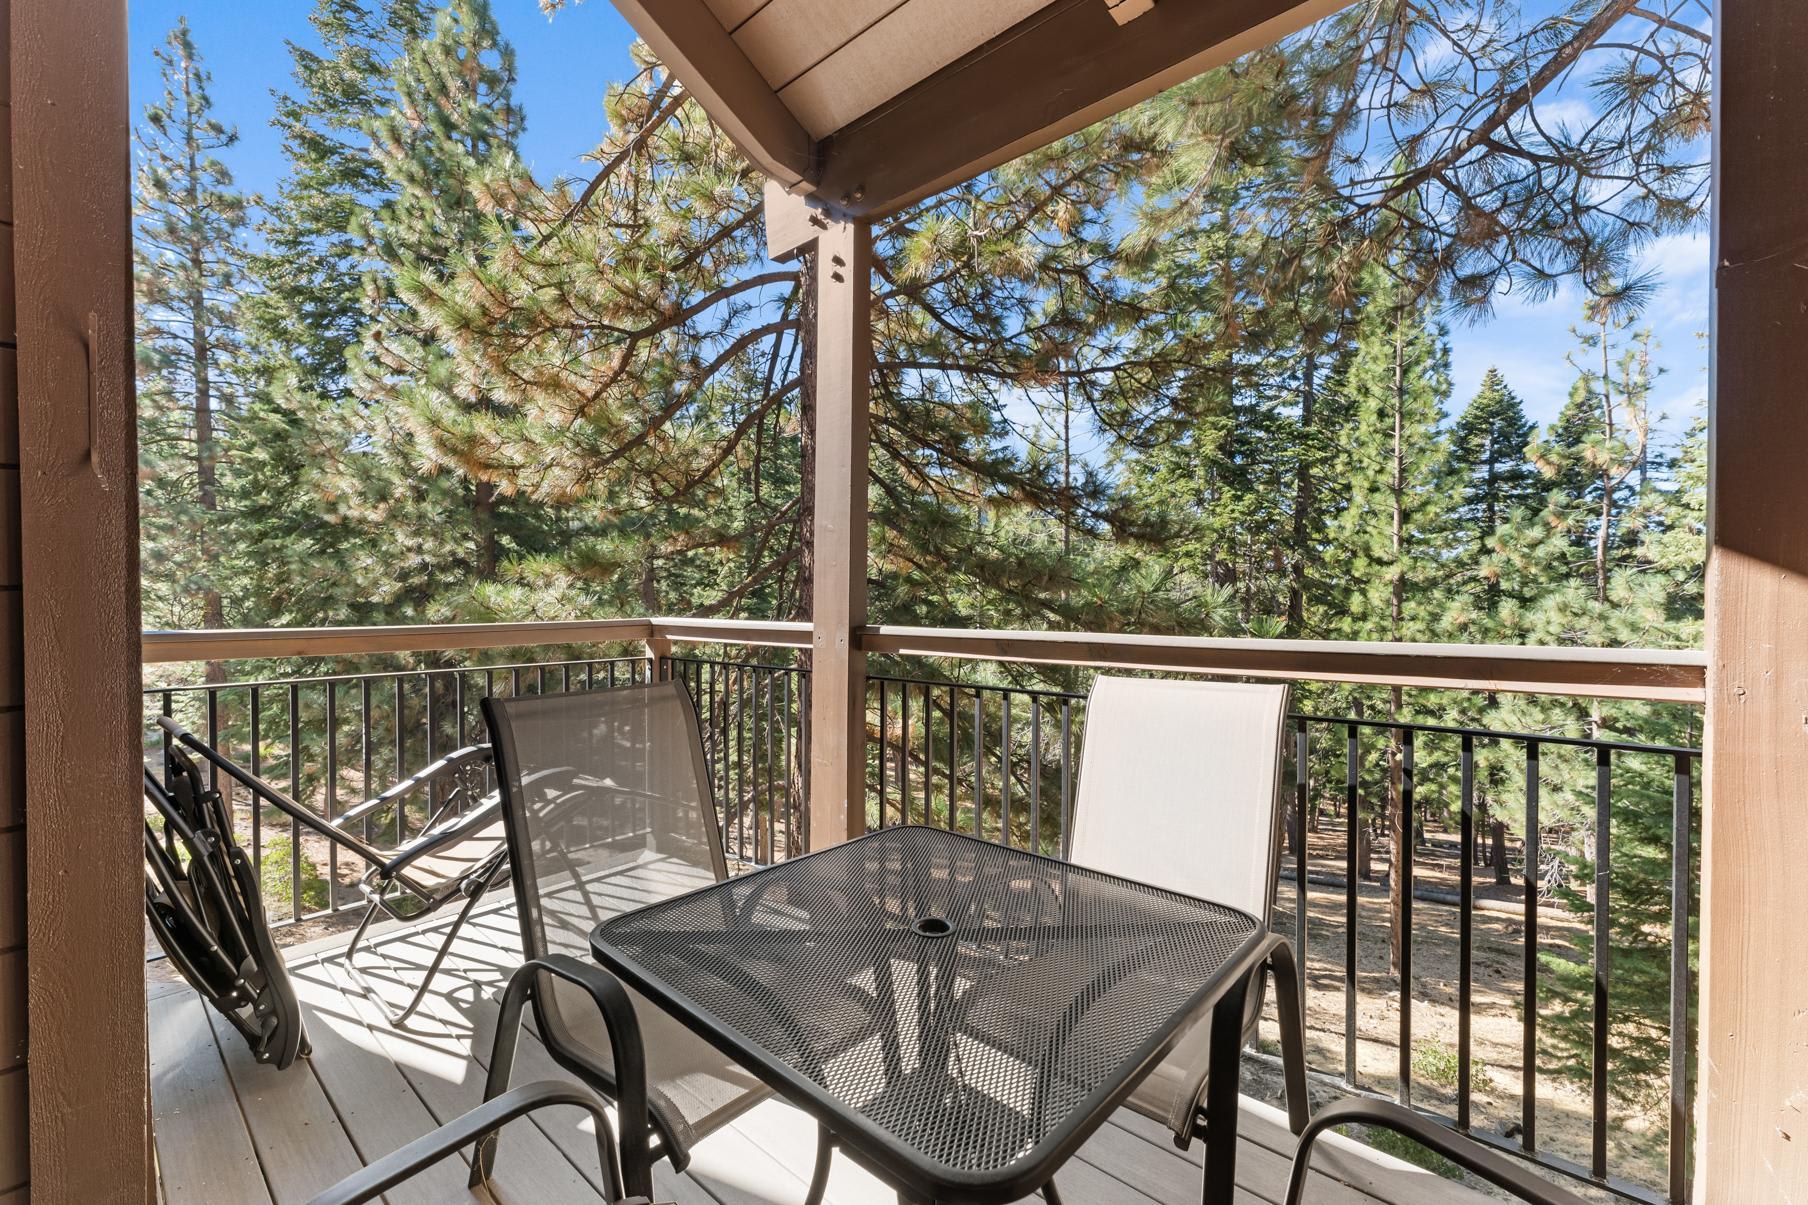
204	1152
371	1087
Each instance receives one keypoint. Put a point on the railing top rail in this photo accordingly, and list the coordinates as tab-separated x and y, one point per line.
1660	675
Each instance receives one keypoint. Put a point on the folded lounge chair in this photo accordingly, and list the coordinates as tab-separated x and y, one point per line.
460	854
202	901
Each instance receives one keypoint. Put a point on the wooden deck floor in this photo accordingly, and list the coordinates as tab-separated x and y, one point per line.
231	1131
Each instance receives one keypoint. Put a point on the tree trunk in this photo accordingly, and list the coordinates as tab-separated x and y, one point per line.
1302	501
1497	840
1400	834
806	425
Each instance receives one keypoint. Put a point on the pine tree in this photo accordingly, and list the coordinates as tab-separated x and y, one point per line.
1391	539
189	271
1488	446
450	133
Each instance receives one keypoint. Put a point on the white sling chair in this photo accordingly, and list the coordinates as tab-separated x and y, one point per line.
1180	787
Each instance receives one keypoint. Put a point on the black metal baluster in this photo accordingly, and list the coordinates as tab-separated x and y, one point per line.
1302	794
952	817
979	761
790	768
884	746
400	760
1004	774
1403	866
1036	774
1351	806
1681	878
771	797
257	771
1528	1075
332	792
903	753
1603	953
364	749
928	757
1465	990
428	681
458	703
1067	768
295	794
213	742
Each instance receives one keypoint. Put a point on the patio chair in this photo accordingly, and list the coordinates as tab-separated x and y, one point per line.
1464	1152
459	855
608	806
1180	787
201	900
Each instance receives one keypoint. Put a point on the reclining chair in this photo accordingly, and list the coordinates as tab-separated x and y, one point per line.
459	855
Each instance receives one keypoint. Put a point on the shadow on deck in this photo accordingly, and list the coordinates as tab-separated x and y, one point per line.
231	1131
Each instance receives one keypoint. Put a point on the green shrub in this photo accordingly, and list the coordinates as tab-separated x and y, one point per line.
1404	1148
274	876
1435	1063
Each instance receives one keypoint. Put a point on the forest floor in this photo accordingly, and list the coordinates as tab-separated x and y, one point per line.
1637	1137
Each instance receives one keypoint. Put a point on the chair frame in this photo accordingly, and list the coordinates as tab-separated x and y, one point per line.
389	887
645	1137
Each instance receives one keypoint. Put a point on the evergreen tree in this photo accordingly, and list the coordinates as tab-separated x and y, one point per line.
189	273
1391	539
451	131
1488	445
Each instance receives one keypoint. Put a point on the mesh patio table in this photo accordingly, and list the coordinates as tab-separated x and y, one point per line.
959	1015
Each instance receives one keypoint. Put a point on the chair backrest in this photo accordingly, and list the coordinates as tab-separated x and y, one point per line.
1180	786
607	806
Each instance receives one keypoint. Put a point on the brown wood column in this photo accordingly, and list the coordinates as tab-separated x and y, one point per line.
78	600
843	265
1751	1114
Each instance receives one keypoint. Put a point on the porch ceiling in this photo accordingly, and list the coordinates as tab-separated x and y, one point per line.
871	104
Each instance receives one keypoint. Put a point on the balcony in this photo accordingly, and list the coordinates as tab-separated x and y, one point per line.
965	730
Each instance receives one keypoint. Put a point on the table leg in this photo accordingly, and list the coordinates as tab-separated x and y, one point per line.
819	1177
1223	1080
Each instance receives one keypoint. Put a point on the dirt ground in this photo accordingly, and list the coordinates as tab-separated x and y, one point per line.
1637	1139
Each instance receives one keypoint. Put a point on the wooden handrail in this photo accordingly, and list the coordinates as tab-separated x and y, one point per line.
1661	675
238	644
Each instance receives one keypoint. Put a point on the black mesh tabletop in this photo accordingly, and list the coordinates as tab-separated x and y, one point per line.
959	1013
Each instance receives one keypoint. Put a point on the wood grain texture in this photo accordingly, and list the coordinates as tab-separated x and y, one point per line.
12	888
204	1152
15	1146
161	647
9	405
12	1010
907	45
1669	675
71	118
692	43
1055	72
837	804
1751	1108
12	768
786	38
6	161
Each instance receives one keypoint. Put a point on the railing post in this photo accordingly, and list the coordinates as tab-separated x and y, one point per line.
658	647
842	341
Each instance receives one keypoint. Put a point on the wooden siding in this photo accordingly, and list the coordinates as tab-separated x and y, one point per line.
15	1141
69	613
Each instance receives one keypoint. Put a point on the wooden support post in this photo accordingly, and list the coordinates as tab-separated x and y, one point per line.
1751	1141
843	342
658	648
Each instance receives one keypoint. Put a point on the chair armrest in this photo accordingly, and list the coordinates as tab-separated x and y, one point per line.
473	821
451	763
400	1165
1464	1152
1275	958
625	1045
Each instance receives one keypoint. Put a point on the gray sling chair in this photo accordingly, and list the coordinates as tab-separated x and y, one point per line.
1180	786
608	806
459	854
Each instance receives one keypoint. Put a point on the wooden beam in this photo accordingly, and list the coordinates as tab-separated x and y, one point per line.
78	462
1056	72
1664	675
693	45
1751	1113
793	221
843	264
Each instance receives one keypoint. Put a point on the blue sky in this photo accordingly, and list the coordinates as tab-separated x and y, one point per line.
566	62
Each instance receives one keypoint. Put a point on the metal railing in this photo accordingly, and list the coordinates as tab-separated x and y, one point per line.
336	740
1001	762
755	720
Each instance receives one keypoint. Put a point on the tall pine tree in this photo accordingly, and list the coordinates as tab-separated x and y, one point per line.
189	275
